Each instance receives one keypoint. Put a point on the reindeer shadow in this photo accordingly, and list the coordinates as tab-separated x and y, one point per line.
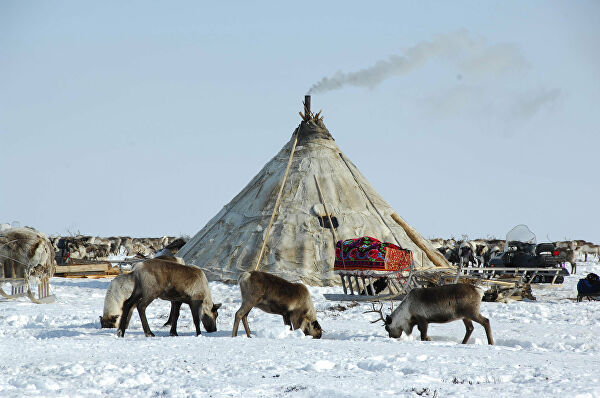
55	334
349	336
218	333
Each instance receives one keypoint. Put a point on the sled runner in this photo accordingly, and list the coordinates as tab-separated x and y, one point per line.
38	291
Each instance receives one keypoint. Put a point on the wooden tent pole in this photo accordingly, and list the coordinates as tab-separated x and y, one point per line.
262	249
436	258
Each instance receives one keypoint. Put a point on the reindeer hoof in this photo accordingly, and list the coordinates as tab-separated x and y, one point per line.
173	334
149	334
427	338
119	333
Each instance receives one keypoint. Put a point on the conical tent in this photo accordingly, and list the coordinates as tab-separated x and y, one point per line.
300	244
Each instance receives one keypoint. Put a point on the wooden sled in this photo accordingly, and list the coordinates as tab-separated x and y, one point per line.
521	275
374	285
21	287
507	282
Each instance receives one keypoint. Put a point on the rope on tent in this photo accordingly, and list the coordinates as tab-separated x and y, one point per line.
262	249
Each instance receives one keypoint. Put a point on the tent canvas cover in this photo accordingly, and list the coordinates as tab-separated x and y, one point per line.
300	245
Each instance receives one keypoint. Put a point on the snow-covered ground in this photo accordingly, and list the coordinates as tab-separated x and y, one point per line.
546	348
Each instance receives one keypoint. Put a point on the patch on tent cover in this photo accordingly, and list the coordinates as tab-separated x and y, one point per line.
368	253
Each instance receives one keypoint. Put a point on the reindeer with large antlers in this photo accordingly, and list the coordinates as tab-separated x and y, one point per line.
438	304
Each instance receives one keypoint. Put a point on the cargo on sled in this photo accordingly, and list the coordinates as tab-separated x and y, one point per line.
371	270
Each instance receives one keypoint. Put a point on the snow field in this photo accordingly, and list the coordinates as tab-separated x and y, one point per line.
549	347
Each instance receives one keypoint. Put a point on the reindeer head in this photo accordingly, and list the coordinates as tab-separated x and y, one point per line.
209	318
395	329
400	321
311	328
393	324
109	321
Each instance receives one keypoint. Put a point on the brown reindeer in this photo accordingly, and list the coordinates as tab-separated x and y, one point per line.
438	304
168	280
275	295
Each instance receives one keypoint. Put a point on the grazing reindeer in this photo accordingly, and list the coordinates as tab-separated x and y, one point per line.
275	295
438	304
168	280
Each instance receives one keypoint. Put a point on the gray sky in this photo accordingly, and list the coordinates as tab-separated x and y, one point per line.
145	119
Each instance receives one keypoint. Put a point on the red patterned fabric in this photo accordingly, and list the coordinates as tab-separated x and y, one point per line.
367	253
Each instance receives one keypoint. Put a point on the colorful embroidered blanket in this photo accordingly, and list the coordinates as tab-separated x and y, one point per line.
368	253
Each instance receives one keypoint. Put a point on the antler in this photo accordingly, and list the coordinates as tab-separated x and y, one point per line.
381	318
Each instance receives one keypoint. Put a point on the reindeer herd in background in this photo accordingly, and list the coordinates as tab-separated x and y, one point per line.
478	252
82	247
475	252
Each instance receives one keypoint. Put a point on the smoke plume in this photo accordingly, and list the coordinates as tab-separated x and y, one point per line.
473	54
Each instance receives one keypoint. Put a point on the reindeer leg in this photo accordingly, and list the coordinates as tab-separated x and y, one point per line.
236	323
129	315
483	321
422	325
286	319
196	307
128	305
246	326
173	317
141	307
241	315
169	321
469	327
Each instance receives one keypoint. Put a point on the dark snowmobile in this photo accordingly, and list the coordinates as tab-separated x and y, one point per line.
522	251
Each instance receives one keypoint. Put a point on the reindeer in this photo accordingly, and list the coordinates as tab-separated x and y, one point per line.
275	295
466	253
120	289
438	304
168	280
588	248
569	248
